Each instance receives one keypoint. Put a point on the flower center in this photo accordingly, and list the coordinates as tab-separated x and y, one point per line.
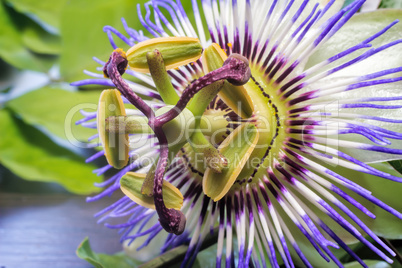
233	152
269	113
235	69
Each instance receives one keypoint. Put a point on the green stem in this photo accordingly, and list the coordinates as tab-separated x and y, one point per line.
198	141
177	254
161	78
398	255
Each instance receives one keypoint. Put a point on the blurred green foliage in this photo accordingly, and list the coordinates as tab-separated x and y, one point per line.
391	4
55	39
32	155
83	36
13	27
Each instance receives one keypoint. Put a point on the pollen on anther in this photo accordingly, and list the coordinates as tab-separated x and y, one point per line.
121	52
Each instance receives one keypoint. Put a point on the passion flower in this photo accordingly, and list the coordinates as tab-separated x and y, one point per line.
270	140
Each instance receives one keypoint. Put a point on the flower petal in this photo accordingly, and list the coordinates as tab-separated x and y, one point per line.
359	28
385	225
388	119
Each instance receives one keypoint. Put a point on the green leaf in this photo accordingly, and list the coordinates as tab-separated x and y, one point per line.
169	258
12	48
47	11
57	111
370	264
120	260
7	78
385	225
348	2
397	263
206	258
173	257
359	28
391	4
31	155
34	37
38	40
83	36
397	164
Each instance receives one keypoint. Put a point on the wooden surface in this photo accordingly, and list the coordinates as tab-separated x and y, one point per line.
43	229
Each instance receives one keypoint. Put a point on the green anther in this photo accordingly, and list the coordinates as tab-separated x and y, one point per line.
176	51
115	144
128	125
237	147
235	97
130	185
161	78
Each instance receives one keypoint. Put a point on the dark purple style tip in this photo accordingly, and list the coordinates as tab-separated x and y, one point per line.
240	71
175	222
118	58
